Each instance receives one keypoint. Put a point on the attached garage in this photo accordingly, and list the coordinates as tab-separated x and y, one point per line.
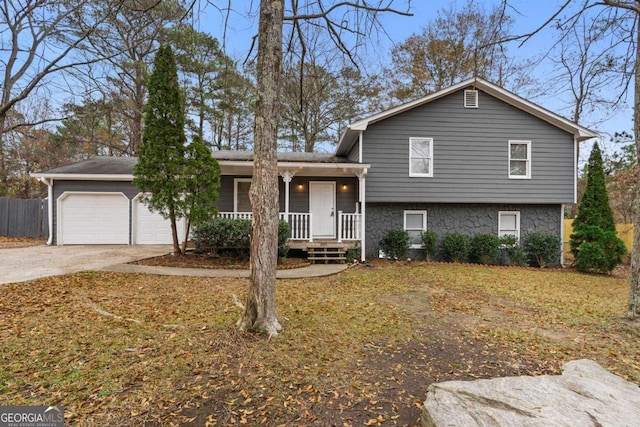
150	228
100	218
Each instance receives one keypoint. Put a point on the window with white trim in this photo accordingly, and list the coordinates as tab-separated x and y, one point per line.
241	202
520	159
415	223
509	224
421	157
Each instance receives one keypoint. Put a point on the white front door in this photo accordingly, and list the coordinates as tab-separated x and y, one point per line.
322	206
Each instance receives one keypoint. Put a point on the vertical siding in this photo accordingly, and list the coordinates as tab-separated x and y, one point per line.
470	155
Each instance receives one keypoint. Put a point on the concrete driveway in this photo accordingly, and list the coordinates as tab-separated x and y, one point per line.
21	264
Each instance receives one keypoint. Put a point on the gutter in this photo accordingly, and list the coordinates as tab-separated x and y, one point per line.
49	184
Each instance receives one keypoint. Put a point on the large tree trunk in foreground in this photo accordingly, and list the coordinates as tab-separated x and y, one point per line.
634	292
260	310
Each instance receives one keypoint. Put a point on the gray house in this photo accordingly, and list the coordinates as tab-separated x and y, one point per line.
472	158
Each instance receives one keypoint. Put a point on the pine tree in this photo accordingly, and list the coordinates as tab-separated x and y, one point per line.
594	242
162	155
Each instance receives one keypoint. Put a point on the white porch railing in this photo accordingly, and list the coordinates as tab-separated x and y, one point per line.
349	226
235	215
301	224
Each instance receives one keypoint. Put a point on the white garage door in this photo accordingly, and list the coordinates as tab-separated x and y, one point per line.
150	228
93	219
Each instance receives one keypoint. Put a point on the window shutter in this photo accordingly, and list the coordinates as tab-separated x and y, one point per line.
470	99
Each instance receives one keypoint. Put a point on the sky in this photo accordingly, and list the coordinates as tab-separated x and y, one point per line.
528	15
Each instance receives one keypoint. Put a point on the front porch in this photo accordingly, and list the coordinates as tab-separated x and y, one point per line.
347	229
321	197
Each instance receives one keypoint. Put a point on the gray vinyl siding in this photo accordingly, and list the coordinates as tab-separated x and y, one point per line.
470	155
299	197
59	187
225	193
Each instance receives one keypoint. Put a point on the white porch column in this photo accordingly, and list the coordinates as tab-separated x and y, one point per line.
361	184
287	176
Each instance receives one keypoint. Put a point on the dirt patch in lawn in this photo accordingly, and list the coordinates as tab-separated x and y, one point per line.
192	260
358	348
19	242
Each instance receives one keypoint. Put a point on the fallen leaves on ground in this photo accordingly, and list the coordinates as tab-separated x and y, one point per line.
193	260
19	242
359	348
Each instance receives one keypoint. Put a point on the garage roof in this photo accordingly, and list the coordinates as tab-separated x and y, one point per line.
231	162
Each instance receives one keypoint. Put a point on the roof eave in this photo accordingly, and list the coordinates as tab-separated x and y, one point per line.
83	176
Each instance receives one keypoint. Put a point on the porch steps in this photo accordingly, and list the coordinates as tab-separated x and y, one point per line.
327	254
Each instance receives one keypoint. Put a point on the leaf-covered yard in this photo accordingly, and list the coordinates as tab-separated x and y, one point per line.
359	348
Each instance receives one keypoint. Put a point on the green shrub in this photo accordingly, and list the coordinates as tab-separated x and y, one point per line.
600	250
283	238
351	255
455	247
543	249
513	252
429	244
485	248
222	233
233	235
395	244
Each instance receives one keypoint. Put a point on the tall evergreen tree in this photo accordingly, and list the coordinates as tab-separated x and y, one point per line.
594	206
162	156
594	242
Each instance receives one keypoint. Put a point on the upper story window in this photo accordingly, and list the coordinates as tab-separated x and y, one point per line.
421	157
520	159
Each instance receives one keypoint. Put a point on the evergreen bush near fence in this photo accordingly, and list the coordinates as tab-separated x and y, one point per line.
233	236
594	243
395	244
455	247
600	251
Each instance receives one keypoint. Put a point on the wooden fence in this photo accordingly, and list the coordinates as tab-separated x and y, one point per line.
625	233
23	218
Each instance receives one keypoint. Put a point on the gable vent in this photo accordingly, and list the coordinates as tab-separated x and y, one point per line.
470	99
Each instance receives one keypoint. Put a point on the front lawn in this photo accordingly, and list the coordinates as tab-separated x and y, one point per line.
359	348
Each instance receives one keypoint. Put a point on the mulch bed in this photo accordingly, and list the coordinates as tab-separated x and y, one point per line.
192	260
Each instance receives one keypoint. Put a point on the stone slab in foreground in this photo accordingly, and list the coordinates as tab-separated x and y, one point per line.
584	395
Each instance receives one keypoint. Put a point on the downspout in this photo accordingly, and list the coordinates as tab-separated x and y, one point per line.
562	235
362	197
49	184
362	178
576	151
575	168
